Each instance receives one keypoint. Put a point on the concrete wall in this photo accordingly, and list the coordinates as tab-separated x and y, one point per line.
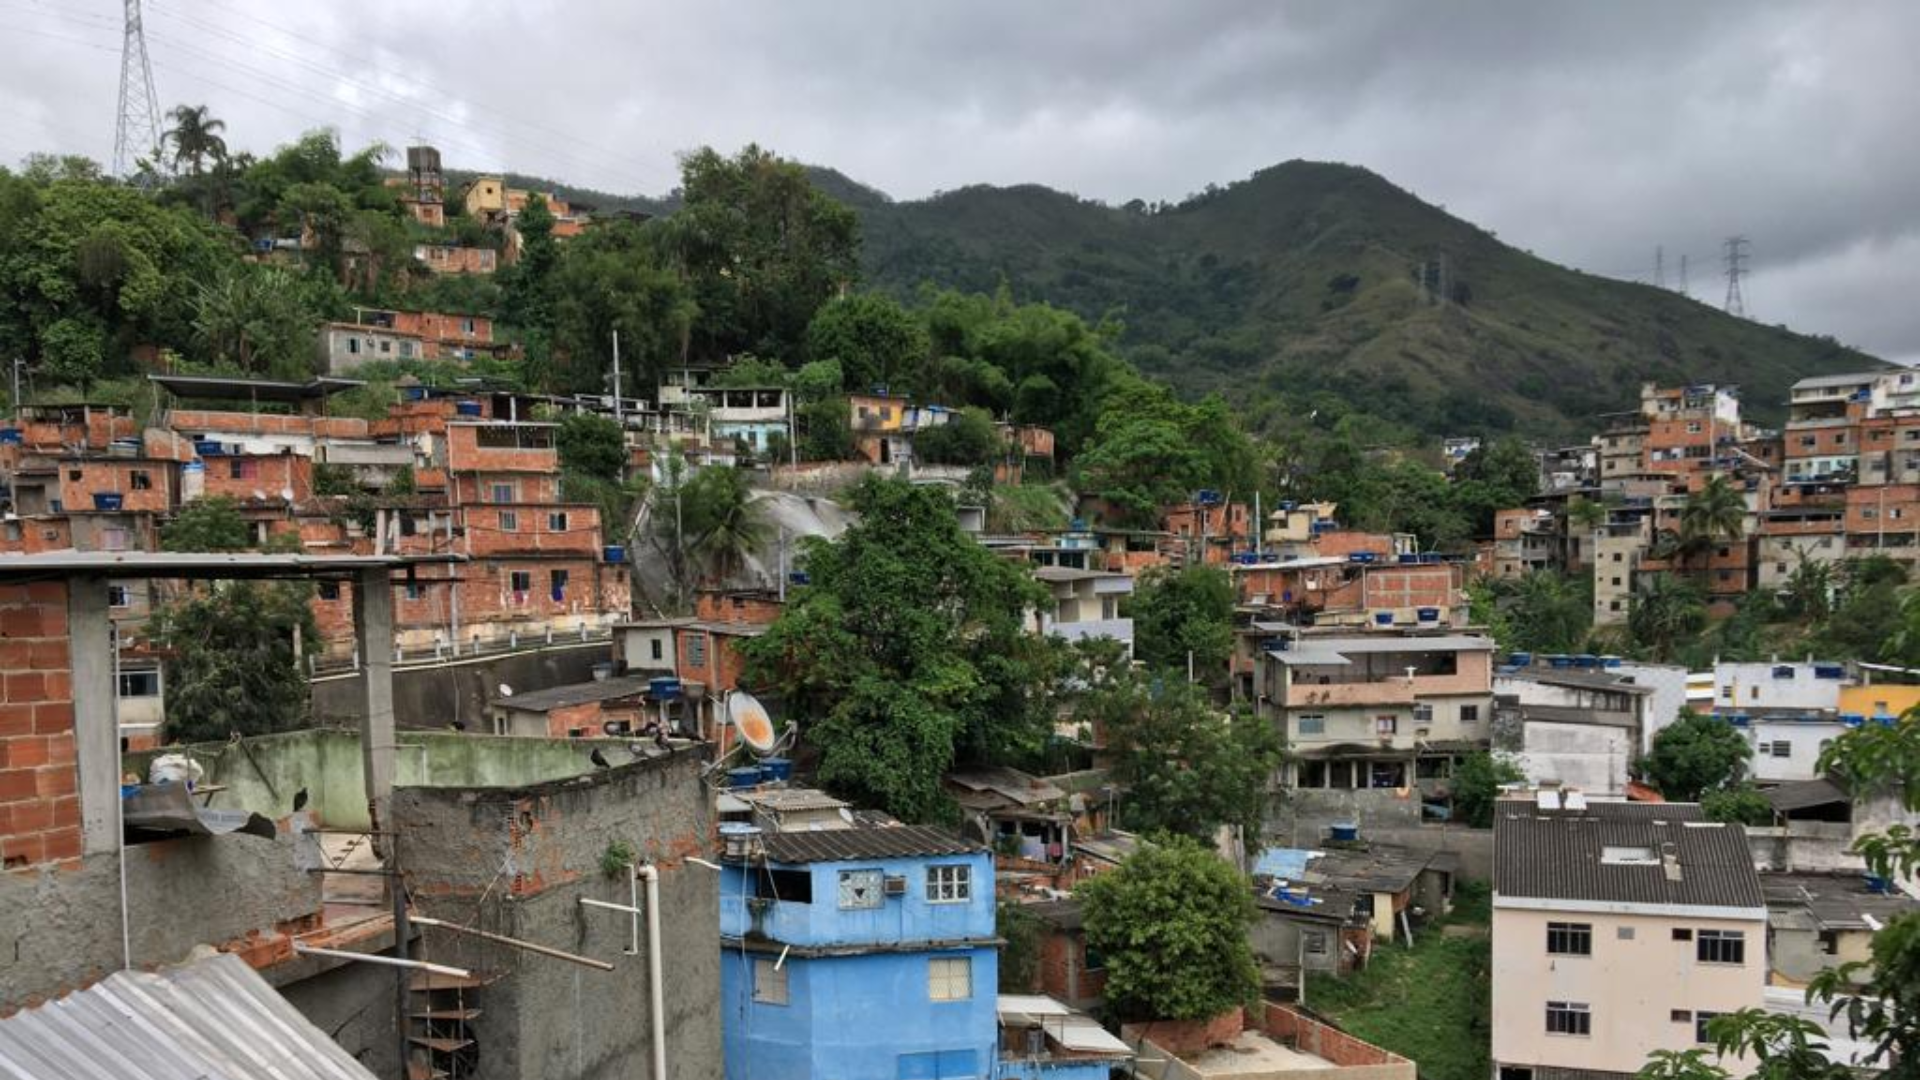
435	695
1669	685
353	1004
1590	757
1805	740
516	860
1303	822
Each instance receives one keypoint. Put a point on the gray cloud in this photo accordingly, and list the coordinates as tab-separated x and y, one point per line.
1588	133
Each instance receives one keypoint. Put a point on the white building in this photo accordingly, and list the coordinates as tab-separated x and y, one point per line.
1086	604
1618	929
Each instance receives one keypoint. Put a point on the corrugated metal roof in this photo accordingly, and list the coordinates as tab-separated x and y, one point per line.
215	1019
1805	794
560	697
1561	855
847	845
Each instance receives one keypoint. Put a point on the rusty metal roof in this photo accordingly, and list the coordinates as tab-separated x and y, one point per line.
848	845
215	1019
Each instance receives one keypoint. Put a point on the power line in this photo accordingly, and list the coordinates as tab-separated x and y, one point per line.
1736	259
137	128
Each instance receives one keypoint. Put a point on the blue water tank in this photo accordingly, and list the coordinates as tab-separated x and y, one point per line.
1559	660
1077	525
1520	659
1383	618
466	408
1427	614
664	688
1611	661
776	769
209	448
106	500
799	577
745	776
12	436
615	553
1345	832
1407	557
1586	660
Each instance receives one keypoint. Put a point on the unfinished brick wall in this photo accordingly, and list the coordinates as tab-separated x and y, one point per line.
716	605
1188	1038
268	474
39	777
141	485
1287	1025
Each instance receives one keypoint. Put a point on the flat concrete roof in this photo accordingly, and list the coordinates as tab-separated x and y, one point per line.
162	564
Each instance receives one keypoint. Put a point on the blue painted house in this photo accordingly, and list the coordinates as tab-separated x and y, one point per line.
858	954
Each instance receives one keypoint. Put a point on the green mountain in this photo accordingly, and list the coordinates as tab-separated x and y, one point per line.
1309	278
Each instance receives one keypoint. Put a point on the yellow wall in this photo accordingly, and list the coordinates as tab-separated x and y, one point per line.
1866	700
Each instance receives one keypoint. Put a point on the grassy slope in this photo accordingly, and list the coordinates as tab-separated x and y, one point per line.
1430	1003
1241	285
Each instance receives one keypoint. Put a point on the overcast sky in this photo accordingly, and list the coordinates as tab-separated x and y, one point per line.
1589	133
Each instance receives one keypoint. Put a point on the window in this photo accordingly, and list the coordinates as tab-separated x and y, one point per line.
1313	724
1423	714
140	480
1721	947
353	346
139	684
557	521
386	346
769	982
655	648
1568	1018
1782	748
329	590
1783	672
520	581
502	493
1469	713
950	978
242	469
860	890
557	579
1682	935
1386	725
1315	941
696	649
1680	1016
1700	1021
119	596
1094	961
949	884
509	521
1569	939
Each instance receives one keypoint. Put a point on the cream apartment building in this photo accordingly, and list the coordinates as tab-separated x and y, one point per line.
1618	929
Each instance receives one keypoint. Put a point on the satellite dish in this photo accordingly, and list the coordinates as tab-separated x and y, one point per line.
750	719
505	690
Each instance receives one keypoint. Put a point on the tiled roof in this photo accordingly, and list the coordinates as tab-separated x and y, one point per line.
1560	855
848	845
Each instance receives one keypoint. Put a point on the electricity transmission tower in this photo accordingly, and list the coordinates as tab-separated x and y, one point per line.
1660	267
1683	276
137	133
1736	259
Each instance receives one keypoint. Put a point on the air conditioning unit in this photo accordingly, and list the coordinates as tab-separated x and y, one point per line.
894	885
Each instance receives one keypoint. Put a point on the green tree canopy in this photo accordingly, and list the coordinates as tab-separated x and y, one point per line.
232	667
1150	451
1182	613
1476	787
969	438
1172	923
617	279
1186	766
1666	611
1694	755
762	248
875	340
211	524
907	653
592	444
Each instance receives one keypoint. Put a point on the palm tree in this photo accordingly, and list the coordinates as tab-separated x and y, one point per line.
1718	511
1666	609
195	138
732	526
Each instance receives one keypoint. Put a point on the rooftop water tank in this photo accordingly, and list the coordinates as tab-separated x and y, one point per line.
1344	832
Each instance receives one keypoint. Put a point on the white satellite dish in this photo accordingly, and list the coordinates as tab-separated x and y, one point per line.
751	720
286	493
505	690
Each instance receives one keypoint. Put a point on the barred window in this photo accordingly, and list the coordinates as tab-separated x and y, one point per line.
949	884
1700	1020
1568	1018
1721	947
1570	939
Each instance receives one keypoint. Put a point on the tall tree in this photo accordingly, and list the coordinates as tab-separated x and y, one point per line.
1695	755
762	249
617	279
1667	609
907	652
875	340
1172	923
195	138
1182	615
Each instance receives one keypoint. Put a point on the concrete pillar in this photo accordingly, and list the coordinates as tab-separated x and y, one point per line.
96	728
373	631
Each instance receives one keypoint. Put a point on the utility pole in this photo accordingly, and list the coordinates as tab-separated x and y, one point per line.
18	363
1736	260
618	418
137	128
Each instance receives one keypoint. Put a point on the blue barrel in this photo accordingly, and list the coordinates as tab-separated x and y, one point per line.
1383	618
776	769
1586	660
1611	661
467	408
209	447
664	688
12	436
1520	659
1427	614
615	553
1345	832
106	500
1560	661
744	777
